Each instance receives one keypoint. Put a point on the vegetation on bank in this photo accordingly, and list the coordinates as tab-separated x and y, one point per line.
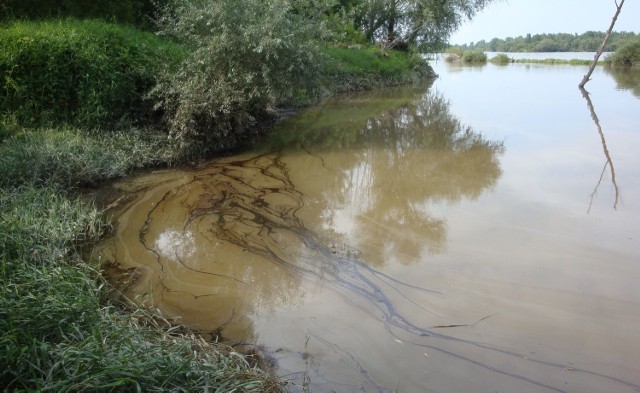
362	67
80	72
456	55
84	101
501	58
627	56
589	41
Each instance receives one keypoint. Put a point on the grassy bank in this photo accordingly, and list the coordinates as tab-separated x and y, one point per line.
75	111
58	329
362	67
85	73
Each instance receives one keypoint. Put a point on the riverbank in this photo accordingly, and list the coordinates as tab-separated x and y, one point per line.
625	57
74	117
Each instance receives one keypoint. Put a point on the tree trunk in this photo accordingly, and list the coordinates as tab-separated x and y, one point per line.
587	76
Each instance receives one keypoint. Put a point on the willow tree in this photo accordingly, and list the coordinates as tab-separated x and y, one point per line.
425	24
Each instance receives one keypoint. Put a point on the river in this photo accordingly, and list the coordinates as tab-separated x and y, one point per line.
480	234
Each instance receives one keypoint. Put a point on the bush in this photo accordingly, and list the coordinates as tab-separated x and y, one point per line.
86	73
501	58
242	59
626	56
474	57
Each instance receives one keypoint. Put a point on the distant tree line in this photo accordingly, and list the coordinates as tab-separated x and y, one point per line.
559	42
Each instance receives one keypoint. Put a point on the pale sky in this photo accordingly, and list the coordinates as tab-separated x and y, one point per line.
512	18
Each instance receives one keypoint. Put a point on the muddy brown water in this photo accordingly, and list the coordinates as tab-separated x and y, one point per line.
477	235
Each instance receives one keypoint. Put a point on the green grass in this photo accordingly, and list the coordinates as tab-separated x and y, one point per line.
85	73
363	67
67	158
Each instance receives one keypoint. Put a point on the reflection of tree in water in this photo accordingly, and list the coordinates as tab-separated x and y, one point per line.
626	78
396	160
608	162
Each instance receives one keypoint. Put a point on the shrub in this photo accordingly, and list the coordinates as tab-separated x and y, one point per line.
243	57
501	58
86	73
474	57
628	55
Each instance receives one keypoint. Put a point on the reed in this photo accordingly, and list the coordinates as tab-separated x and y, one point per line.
67	158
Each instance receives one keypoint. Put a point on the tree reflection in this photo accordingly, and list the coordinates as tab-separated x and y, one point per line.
626	78
391	155
608	161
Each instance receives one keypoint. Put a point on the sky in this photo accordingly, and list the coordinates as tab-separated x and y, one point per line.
512	18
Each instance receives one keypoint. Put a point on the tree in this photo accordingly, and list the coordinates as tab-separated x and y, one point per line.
425	24
244	56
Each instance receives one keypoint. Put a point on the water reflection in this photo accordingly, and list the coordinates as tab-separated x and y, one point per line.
324	245
608	162
626	78
340	190
383	165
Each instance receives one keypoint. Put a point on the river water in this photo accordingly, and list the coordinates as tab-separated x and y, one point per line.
480	234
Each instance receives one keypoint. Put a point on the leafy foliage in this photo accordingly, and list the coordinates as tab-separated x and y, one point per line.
87	73
426	24
501	58
245	55
626	56
474	57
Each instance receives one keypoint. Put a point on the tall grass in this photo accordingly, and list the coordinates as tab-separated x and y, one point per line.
67	158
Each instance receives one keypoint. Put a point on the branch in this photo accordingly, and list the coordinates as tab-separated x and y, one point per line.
587	76
608	162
